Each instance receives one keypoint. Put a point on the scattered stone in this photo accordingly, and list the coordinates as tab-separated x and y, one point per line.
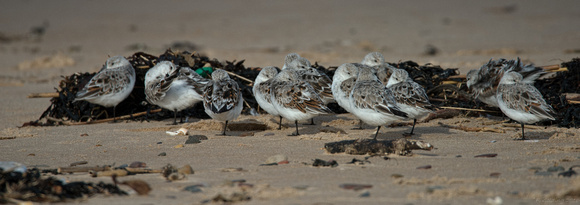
31	155
162	154
486	155
543	173
376	147
276	159
424	167
239	169
84	135
194	188
396	176
556	169
358	161
172	174
269	134
365	194
495	174
140	186
194	139
458	156
178	146
270	164
431	189
186	169
159	142
329	163
355	187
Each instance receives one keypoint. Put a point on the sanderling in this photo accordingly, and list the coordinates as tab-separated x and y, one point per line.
319	81
222	98
342	84
483	82
262	91
521	101
376	60
295	99
372	102
410	96
111	85
173	88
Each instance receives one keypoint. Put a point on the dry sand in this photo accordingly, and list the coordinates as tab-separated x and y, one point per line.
79	35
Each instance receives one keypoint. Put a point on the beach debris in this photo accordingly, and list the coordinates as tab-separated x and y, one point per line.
555	169
486	155
162	154
139	186
472	129
355	187
182	131
570	172
322	163
172	173
276	159
376	147
194	188
194	139
396	176
424	167
137	164
495	174
494	201
31	186
7	167
359	162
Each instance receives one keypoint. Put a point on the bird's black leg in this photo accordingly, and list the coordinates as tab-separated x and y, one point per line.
296	124
225	126
376	134
280	124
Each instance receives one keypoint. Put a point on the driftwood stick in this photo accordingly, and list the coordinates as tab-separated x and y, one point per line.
472	129
242	77
519	126
142	170
62	170
108	173
43	95
103	120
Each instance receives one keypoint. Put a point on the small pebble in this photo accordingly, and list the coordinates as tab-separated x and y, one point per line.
162	154
431	189
31	155
269	134
178	146
556	169
543	173
458	156
84	135
355	187
193	188
365	194
424	167
159	142
396	176
386	158
495	174
194	139
137	164
270	164
493	141
329	163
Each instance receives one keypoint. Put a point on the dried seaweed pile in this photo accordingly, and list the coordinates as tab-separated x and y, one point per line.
63	109
30	186
553	90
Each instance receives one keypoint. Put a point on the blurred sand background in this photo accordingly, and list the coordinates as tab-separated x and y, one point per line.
40	41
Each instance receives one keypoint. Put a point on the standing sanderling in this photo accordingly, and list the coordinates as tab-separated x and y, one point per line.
319	81
372	102
483	82
521	101
111	85
295	99
222	98
410	96
342	84
263	91
173	88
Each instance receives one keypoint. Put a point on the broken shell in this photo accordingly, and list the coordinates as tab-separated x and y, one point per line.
181	131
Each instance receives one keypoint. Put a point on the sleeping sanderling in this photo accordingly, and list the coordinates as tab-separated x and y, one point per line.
263	91
372	102
295	99
173	88
342	84
521	101
410	96
111	85
222	98
483	82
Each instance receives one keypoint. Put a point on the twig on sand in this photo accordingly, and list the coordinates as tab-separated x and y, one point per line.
103	120
43	95
241	77
472	129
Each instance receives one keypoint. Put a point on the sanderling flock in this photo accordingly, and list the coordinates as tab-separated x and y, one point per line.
375	92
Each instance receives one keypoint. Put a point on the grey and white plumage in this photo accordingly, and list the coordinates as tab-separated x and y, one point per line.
483	82
410	96
222	98
376	60
111	85
319	81
295	99
263	91
173	88
521	101
342	84
372	102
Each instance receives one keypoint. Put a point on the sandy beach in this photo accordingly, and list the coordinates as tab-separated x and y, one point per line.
40	41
